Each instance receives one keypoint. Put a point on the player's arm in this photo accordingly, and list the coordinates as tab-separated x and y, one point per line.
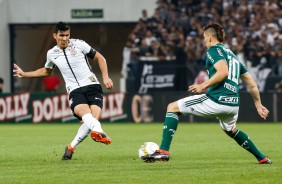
104	70
220	74
41	72
253	88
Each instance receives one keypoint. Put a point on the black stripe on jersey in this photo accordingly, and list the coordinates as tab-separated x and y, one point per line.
195	101
70	66
87	62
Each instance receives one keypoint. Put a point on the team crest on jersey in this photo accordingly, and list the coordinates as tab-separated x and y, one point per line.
72	50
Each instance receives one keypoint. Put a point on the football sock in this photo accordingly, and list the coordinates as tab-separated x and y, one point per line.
71	148
243	140
82	133
92	123
170	126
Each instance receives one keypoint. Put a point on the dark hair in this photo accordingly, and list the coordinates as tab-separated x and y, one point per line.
216	30
61	26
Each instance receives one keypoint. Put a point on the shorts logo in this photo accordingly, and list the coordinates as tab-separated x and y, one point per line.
98	98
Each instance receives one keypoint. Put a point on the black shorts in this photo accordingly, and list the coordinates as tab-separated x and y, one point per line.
91	95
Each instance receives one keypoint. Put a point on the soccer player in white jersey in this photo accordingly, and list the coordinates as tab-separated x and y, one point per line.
85	92
221	100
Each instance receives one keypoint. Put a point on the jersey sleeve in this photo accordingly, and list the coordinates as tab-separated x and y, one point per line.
242	69
85	47
49	63
215	54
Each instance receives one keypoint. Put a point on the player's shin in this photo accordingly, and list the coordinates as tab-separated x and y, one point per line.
169	128
82	133
92	123
243	140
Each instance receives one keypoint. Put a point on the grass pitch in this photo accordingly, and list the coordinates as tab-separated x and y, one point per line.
200	153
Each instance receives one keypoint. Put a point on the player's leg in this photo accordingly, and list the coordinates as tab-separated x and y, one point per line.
95	100
82	112
82	133
174	110
169	128
98	135
188	105
81	109
228	124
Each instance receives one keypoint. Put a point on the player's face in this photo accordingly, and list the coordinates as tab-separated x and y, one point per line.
62	38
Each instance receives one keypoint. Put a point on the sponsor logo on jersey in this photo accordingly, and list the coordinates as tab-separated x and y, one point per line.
230	87
56	50
209	56
219	52
92	78
227	99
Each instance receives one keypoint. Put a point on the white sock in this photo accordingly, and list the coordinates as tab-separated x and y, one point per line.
92	123
82	133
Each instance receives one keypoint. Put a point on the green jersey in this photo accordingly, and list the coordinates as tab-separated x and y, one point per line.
225	92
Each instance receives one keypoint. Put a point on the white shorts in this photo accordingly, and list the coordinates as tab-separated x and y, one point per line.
201	105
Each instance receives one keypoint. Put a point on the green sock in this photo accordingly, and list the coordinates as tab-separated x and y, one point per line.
243	140
170	126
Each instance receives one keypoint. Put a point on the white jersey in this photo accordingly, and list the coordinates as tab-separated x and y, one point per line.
73	64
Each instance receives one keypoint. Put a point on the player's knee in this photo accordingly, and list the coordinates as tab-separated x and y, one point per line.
80	111
172	107
231	133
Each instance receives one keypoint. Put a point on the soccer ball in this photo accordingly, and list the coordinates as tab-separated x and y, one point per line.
147	148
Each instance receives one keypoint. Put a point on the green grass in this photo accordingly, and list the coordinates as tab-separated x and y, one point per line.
200	153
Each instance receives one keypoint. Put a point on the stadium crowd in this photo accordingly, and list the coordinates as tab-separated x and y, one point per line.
174	32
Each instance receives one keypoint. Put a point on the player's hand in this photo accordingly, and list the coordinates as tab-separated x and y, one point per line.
18	72
262	111
108	83
196	88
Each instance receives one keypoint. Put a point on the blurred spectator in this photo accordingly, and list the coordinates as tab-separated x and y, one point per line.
1	84
276	56
51	83
144	16
278	87
156	52
126	59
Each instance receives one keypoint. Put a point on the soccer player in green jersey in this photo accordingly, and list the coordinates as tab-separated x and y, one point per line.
221	100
